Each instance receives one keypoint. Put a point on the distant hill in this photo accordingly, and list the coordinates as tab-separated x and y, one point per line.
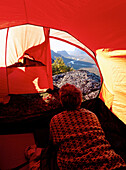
78	52
76	64
53	55
81	55
63	53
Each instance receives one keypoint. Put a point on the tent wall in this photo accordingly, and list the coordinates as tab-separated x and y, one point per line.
3	85
3	70
113	68
27	78
21	38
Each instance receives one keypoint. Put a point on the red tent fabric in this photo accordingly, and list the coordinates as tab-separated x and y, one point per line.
94	23
97	24
25	60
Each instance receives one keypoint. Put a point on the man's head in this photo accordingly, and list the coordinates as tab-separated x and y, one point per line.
70	97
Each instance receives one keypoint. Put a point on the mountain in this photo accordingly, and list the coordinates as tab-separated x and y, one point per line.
81	55
78	52
63	53
76	64
54	54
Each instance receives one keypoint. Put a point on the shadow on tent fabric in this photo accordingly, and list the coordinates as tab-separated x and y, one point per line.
113	127
21	81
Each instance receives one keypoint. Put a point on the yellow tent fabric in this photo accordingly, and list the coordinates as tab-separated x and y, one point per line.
106	96
113	68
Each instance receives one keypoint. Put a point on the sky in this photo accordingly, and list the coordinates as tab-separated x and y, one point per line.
57	45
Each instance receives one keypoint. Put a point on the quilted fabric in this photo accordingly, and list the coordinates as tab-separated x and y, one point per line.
81	141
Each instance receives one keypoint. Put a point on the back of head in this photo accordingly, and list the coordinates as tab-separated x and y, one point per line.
70	97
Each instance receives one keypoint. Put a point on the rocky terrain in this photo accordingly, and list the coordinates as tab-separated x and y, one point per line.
89	83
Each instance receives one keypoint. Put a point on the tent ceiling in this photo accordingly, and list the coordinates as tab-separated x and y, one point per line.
97	24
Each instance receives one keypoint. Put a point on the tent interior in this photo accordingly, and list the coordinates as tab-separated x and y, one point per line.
25	67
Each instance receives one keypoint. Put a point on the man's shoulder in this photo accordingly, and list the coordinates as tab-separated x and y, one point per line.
58	116
86	111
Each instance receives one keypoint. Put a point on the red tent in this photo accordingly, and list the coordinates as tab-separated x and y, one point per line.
95	24
97	27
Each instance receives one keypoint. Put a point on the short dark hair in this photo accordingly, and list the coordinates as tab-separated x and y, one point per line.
70	97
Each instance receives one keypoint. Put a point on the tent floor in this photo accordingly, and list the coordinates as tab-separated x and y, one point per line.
38	124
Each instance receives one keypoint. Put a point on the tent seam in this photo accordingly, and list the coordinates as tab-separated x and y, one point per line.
25	11
6	59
